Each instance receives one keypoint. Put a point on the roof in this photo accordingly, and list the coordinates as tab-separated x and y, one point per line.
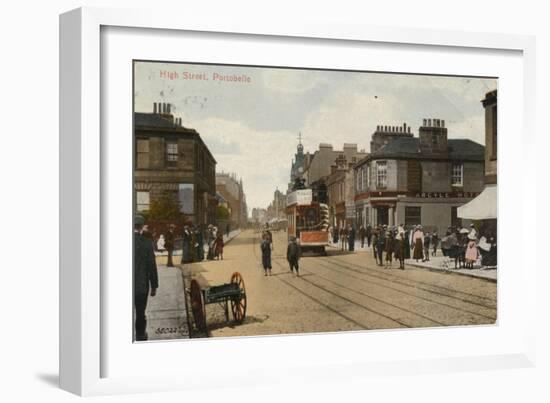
407	147
152	120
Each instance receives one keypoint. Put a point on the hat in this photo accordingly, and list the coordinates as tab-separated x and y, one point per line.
139	220
471	237
471	225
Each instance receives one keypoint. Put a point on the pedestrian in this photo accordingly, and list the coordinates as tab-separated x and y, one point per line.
335	234
374	235
435	242
227	229
344	237
145	277
293	253
210	238
399	249
418	240
407	244
368	232
351	238
362	235
389	248
471	253
427	243
218	246
199	238
380	245
265	246
169	244
161	243
186	245
473	231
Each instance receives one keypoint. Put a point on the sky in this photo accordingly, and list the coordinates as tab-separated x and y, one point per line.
251	126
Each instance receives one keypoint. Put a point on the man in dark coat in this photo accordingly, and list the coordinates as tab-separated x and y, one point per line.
145	277
368	232
351	238
186	245
293	253
362	234
380	246
169	244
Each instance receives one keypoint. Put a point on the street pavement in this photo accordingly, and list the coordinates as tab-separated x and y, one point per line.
341	291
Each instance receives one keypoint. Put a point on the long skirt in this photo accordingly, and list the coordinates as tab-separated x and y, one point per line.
417	252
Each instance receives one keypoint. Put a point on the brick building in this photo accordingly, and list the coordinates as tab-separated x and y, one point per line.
232	191
419	180
170	158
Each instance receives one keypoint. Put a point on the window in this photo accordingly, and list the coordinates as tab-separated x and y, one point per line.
142	200
457	176
367	177
142	156
381	174
186	198
171	154
413	215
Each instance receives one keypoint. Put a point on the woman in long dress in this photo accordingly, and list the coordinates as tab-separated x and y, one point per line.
418	242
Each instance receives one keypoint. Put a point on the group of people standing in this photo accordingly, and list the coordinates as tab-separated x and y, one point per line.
344	235
293	253
466	247
193	240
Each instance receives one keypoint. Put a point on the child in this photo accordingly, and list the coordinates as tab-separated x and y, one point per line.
471	252
266	254
218	246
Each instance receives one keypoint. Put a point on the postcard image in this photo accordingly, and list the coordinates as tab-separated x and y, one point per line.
270	200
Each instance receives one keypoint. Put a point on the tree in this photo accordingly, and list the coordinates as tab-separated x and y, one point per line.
166	207
222	213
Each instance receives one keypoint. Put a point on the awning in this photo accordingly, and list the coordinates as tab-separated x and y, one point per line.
483	207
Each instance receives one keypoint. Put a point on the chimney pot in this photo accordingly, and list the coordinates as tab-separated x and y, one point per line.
424	122
408	129
168	107
155	108
442	123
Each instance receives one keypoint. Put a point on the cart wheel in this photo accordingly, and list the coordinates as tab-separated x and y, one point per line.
197	305
238	305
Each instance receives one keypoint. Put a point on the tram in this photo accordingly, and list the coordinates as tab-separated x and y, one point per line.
308	221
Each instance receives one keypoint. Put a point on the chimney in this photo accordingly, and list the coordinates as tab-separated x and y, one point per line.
424	122
155	108
408	129
168	108
442	123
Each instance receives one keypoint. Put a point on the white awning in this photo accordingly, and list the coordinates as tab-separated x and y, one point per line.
483	207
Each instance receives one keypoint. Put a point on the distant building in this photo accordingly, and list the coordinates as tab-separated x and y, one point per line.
170	158
298	163
340	187
277	208
319	165
259	216
419	180
231	189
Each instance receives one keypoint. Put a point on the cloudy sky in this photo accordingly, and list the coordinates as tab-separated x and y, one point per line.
251	126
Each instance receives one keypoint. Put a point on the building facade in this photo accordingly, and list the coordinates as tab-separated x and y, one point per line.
231	189
172	159
341	192
419	180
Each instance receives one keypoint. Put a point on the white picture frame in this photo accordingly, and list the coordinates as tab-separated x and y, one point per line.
83	305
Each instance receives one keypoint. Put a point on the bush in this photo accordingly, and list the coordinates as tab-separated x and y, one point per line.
222	213
166	207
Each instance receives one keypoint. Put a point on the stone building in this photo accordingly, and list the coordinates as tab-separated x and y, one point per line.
232	191
277	208
170	158
419	180
340	187
484	207
319	165
384	134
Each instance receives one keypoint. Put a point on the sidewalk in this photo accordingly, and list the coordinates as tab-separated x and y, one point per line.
166	313
437	263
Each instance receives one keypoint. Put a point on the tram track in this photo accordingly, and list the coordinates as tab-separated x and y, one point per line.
431	301
399	280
